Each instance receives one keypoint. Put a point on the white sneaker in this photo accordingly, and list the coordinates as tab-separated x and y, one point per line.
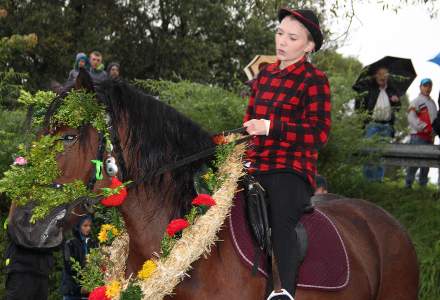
284	294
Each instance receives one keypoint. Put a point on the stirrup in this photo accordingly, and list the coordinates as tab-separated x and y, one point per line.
282	293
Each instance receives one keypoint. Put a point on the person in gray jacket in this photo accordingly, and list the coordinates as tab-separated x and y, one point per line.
422	112
81	61
97	71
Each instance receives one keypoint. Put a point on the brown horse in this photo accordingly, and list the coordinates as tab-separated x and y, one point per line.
149	134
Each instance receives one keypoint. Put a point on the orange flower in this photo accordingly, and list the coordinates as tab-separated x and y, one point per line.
219	139
117	199
98	294
176	225
203	199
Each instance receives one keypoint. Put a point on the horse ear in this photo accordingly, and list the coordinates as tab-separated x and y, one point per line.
84	81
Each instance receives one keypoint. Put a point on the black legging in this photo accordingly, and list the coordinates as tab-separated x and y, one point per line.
288	195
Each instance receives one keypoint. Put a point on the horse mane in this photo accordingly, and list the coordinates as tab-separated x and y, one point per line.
156	135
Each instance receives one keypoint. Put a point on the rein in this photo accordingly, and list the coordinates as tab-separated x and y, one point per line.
204	153
121	162
171	166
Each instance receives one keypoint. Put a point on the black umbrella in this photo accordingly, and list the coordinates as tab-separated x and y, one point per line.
401	74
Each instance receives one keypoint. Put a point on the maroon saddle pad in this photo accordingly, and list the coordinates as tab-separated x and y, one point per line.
326	265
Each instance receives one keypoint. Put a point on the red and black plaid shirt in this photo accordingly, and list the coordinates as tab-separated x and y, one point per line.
296	100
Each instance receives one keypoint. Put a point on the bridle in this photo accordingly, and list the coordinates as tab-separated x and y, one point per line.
113	146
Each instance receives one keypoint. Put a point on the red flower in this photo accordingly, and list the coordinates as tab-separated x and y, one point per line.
219	139
176	226
98	294
203	199
118	199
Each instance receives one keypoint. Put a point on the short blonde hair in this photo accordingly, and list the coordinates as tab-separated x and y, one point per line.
96	53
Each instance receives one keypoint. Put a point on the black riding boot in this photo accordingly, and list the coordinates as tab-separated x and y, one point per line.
288	195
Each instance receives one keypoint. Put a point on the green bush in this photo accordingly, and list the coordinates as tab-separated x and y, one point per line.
214	108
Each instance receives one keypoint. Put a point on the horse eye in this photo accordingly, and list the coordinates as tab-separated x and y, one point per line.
69	138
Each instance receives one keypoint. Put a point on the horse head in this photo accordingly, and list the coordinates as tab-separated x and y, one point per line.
56	185
130	131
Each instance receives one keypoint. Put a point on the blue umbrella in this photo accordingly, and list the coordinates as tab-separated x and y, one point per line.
436	59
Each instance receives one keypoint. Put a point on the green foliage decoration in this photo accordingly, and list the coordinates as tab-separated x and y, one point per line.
32	181
166	245
11	135
81	108
132	292
107	192
214	182
39	102
92	274
78	108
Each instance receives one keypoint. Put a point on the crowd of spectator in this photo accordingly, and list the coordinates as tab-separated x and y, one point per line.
380	102
95	66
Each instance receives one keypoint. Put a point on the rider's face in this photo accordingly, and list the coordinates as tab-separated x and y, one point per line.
292	41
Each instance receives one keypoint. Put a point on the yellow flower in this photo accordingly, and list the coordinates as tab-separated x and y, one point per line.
113	289
207	176
147	269
105	230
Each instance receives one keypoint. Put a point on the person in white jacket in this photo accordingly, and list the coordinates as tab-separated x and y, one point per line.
422	112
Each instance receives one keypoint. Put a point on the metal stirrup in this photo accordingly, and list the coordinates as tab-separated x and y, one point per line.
283	292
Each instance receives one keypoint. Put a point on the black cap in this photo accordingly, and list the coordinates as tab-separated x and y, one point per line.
308	19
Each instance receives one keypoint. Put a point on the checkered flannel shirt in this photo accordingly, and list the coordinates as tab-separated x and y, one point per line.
296	100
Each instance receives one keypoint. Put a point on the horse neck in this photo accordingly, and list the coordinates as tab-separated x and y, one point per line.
146	213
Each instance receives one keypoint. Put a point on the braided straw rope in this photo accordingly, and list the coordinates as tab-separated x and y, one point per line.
196	240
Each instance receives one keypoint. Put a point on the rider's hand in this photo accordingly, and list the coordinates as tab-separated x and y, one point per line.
257	127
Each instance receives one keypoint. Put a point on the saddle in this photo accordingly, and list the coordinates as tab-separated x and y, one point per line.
325	267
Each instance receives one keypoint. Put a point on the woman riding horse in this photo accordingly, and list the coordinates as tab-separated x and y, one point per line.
148	134
289	116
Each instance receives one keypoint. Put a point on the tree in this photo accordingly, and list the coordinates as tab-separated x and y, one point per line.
203	41
14	47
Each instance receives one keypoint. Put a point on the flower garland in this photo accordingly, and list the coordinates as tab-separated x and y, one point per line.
107	233
185	240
